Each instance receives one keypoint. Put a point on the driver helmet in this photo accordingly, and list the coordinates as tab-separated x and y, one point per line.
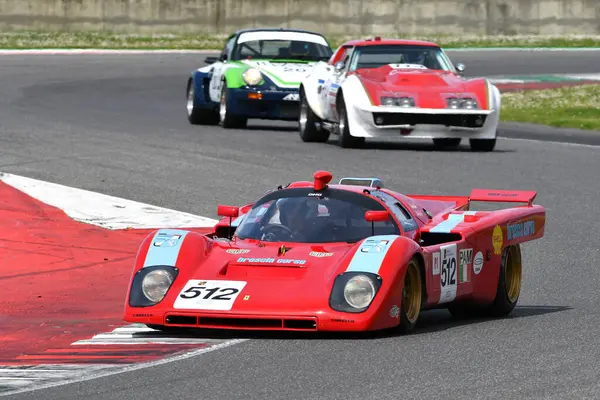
291	209
299	48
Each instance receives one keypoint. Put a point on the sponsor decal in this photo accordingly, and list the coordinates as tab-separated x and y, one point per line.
435	263
349	321
166	240
315	194
246	297
319	254
237	251
520	230
478	263
497	239
395	311
269	260
448	273
466	258
292	97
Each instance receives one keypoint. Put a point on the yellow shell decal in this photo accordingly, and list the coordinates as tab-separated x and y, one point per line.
497	240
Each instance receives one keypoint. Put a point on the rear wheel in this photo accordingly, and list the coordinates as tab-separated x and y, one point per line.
412	297
508	289
307	123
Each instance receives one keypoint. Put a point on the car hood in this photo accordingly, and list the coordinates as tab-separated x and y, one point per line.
282	72
429	87
300	279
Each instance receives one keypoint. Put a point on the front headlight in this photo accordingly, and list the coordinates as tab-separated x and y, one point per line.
462	103
156	284
398	101
252	76
359	291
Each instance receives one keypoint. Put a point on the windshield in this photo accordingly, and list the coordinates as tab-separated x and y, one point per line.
297	215
277	45
377	56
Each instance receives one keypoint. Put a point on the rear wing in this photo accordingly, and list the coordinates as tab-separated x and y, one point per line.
503	196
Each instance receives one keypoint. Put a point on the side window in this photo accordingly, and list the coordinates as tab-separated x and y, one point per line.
403	216
226	53
347	58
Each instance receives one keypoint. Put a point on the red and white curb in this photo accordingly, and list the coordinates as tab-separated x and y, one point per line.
124	348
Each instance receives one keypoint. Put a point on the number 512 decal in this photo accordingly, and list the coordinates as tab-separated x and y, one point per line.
209	295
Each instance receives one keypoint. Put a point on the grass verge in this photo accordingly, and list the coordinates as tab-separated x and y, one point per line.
201	41
569	107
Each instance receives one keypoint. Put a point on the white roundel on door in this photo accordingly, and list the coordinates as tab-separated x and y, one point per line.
478	263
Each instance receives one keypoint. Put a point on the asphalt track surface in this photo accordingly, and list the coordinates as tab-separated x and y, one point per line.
116	124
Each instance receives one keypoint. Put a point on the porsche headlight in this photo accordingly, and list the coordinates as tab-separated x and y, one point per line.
462	103
156	284
252	76
359	291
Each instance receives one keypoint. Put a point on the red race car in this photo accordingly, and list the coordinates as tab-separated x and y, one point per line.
315	256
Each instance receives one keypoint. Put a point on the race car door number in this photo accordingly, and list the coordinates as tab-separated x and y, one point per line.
209	295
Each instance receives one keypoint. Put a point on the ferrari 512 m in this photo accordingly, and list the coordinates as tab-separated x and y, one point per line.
397	88
352	256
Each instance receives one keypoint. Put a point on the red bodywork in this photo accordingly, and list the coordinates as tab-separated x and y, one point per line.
424	85
295	296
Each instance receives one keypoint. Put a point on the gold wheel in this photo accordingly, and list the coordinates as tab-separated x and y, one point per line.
512	273
412	292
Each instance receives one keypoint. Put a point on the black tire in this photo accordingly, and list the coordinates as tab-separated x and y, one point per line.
503	303
482	145
447	143
198	115
346	140
409	314
228	120
307	121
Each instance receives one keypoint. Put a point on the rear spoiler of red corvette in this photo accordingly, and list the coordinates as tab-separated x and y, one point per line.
503	196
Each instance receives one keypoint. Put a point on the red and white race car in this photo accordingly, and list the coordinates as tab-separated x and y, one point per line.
353	256
398	88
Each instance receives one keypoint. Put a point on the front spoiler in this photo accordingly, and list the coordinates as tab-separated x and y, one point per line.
305	321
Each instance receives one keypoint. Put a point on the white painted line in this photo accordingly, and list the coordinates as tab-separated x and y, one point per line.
135	367
102	210
136	334
591	146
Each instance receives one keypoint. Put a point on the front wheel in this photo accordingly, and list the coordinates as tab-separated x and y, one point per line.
198	115
346	140
226	118
484	145
412	297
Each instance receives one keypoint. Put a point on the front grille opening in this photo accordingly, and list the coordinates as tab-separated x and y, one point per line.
465	120
299	324
180	320
241	322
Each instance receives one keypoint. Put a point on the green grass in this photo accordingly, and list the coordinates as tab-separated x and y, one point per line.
201	41
570	107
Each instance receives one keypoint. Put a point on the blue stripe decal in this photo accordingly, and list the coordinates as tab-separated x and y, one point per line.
165	247
321	81
334	86
450	223
371	253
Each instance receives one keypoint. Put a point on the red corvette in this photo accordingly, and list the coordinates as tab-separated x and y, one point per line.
353	256
397	88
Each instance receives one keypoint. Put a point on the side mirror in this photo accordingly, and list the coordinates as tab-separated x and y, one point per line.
339	66
223	57
377	216
210	60
228	211
460	67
